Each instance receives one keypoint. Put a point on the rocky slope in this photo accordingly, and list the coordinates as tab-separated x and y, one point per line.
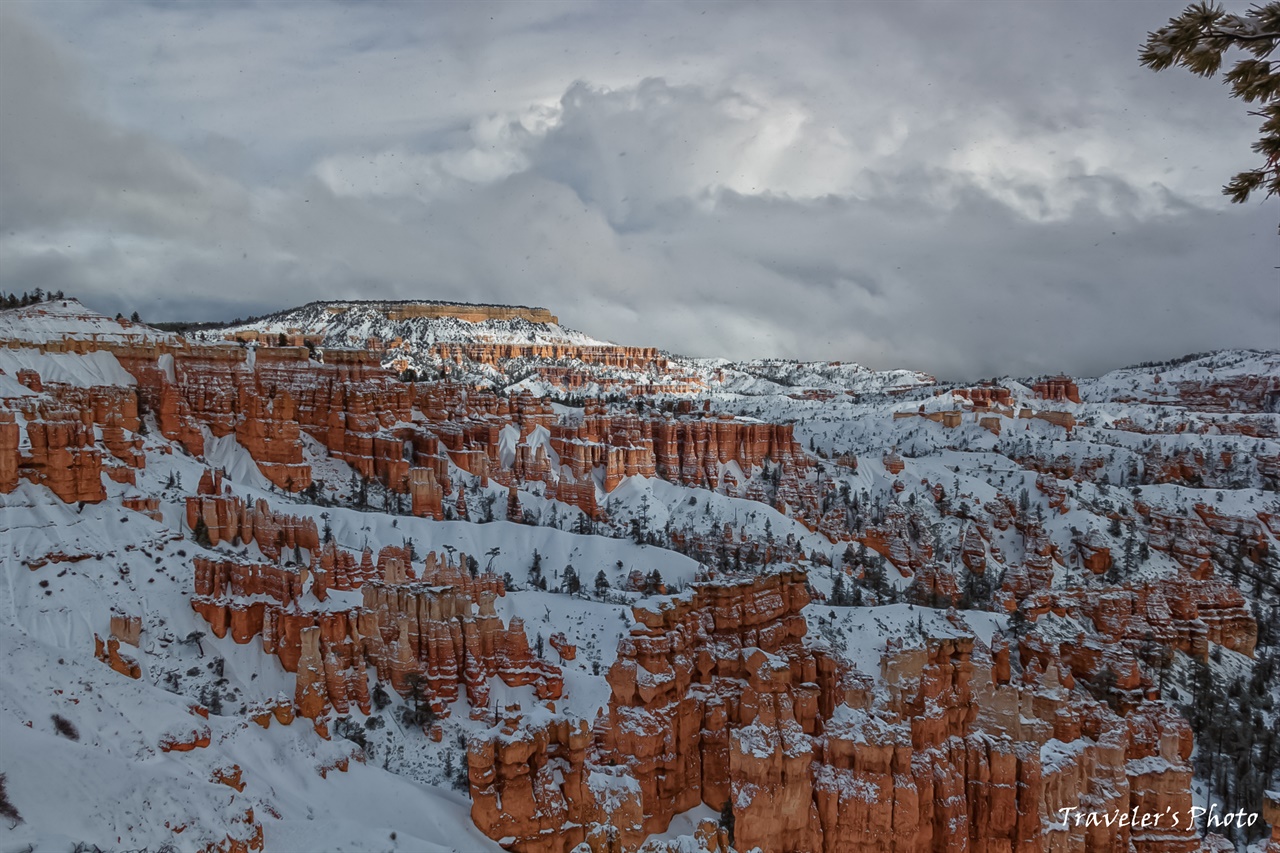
504	347
774	606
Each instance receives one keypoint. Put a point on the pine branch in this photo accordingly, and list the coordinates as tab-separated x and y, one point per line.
1244	36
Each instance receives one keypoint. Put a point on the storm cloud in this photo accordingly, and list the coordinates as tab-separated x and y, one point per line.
970	189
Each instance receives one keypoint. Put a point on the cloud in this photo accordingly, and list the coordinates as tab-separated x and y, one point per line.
880	187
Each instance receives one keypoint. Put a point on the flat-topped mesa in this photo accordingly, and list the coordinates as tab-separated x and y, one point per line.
470	312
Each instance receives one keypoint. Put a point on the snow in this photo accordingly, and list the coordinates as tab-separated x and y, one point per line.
862	634
67	568
68	319
81	371
124	787
363	320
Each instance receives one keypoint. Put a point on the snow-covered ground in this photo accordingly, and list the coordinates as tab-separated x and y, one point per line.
80	745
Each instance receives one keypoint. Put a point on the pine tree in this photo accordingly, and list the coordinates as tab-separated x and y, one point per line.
726	819
838	593
1019	624
571	584
1197	40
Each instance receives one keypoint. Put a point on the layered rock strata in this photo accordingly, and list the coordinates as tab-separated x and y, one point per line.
718	699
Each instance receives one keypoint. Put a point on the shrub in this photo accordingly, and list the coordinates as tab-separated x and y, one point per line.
64	727
7	811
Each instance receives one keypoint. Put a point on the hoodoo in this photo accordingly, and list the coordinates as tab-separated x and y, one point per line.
576	596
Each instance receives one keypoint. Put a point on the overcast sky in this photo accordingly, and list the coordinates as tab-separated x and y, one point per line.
968	188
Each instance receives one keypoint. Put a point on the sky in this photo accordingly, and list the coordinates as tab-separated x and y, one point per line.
967	188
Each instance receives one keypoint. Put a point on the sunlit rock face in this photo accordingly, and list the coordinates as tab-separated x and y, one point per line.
840	612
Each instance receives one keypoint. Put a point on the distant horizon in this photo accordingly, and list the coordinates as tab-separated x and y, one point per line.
1173	359
979	187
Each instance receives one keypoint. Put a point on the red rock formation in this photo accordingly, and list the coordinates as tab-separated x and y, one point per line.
228	518
1271	814
426	494
973	550
718	636
531	785
496	355
109	653
197	737
986	396
29	379
567	651
416	634
716	698
150	507
427	631
1230	394
1066	420
1056	493
63	458
231	776
1060	388
10	458
126	628
1094	552
898	539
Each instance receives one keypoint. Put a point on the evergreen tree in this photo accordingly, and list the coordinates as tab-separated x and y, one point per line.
570	583
1197	40
839	595
726	819
1019	624
419	711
